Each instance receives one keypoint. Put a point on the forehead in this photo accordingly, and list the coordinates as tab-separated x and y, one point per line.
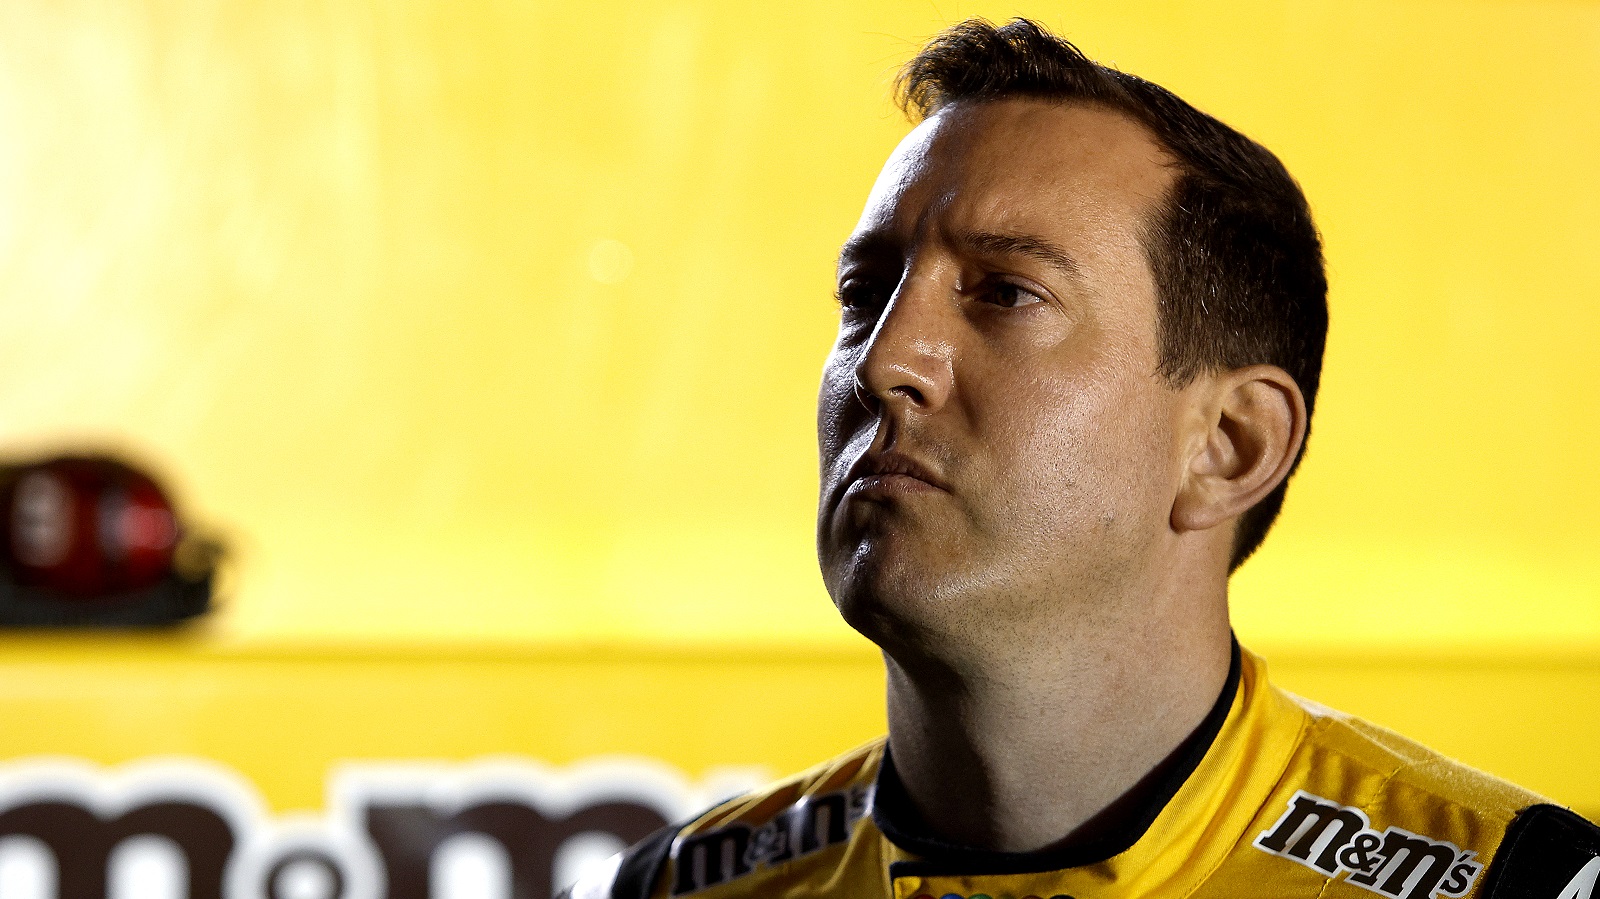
1065	170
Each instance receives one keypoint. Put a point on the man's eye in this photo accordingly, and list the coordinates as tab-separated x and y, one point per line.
859	294
1013	295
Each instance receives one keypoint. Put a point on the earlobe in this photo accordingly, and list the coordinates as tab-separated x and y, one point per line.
1255	423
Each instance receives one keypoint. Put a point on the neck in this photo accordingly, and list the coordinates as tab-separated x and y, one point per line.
1048	746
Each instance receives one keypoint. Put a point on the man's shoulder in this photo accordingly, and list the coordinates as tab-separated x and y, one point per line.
739	839
844	776
1352	752
1366	805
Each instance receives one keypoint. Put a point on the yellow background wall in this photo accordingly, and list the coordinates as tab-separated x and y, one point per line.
490	331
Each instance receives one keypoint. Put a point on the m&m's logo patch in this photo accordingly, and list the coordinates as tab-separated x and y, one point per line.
988	896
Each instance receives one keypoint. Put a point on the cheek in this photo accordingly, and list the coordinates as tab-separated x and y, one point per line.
1088	454
832	391
838	411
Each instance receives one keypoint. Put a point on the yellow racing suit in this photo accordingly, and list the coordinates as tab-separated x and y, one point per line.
1273	797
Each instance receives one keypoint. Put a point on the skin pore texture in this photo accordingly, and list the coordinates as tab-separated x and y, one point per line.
1016	506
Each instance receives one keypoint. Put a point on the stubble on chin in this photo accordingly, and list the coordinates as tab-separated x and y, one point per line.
873	583
907	593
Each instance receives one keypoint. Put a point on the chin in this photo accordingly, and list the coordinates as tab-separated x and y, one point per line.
896	603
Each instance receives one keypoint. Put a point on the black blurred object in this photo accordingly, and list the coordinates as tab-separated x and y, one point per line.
88	541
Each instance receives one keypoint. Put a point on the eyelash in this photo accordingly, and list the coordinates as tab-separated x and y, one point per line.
1019	288
851	286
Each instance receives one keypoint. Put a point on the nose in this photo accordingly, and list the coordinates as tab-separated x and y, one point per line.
908	361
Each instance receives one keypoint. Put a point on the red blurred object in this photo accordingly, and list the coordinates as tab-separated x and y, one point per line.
86	528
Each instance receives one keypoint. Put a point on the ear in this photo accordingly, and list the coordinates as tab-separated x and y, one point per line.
1251	425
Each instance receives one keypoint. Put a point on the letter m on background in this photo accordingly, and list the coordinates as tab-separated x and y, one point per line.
82	841
1313	824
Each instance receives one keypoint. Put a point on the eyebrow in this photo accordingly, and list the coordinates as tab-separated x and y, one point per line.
873	245
877	245
1000	244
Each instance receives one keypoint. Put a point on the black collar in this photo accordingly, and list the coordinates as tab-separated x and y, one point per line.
899	820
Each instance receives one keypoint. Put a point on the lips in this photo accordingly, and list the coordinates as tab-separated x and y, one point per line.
892	472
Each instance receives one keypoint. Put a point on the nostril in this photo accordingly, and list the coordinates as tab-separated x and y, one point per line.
910	393
870	400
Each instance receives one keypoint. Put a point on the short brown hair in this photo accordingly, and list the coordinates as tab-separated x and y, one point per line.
1236	257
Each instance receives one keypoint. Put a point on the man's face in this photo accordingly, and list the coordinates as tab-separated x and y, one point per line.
997	447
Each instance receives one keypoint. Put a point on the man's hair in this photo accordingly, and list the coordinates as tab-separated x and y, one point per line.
1236	258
